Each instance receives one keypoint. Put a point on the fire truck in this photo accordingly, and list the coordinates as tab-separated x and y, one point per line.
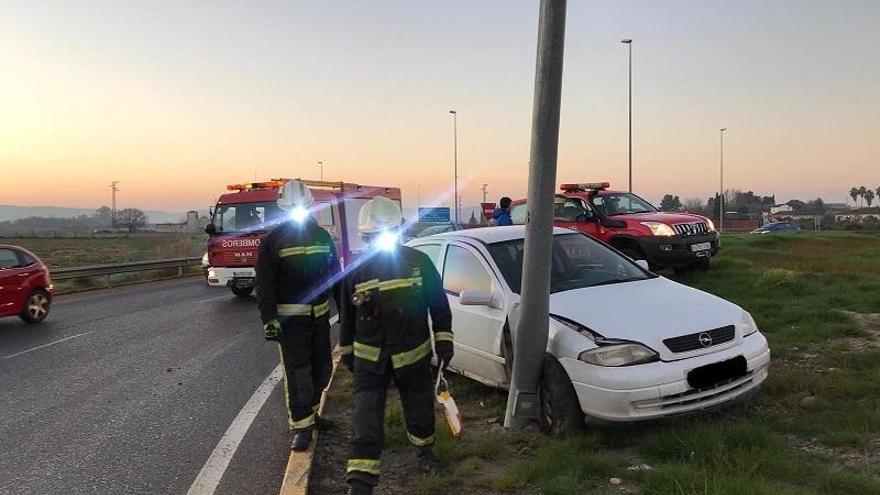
244	215
632	225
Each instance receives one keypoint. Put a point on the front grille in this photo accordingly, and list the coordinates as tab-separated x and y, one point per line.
695	228
701	340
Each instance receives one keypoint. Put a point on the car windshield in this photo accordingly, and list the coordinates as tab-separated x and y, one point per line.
621	204
577	261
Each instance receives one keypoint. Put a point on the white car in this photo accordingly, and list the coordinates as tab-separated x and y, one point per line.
624	344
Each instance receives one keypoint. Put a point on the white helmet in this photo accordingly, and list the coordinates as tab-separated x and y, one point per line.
294	194
379	214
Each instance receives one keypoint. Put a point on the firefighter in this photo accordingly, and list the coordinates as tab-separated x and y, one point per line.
295	270
385	336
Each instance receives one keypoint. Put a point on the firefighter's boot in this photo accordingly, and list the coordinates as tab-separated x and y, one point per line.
301	440
428	461
323	424
358	487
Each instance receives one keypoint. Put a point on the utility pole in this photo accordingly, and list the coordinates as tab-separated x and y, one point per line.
455	159
628	43
721	196
530	338
113	210
485	190
321	164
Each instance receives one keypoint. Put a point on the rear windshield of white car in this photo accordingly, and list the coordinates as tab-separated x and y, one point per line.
577	261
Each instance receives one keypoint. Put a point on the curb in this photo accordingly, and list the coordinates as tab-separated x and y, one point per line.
299	465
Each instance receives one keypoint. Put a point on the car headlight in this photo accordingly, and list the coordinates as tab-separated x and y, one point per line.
711	224
658	228
616	355
747	325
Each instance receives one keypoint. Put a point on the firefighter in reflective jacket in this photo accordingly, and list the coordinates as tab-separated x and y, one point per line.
295	270
385	336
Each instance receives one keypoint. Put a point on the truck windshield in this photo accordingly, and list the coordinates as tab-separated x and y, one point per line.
246	216
577	261
621	204
243	217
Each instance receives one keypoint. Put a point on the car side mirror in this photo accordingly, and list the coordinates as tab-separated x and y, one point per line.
644	264
475	297
210	229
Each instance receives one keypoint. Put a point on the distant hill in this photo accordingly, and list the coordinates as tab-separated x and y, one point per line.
15	212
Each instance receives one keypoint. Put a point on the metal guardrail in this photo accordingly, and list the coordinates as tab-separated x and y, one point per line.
135	266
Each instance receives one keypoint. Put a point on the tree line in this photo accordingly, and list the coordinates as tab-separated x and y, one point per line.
862	193
131	219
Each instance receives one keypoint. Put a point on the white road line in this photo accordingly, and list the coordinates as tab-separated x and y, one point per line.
215	298
46	345
209	477
212	472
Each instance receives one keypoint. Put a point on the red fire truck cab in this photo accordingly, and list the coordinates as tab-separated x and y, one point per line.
632	225
243	216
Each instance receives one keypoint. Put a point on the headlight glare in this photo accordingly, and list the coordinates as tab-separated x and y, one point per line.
659	229
616	355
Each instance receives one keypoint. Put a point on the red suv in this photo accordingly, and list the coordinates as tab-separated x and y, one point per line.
632	225
25	287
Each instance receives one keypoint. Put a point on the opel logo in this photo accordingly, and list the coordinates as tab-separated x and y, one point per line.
705	339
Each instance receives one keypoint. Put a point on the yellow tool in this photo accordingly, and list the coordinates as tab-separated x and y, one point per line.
444	397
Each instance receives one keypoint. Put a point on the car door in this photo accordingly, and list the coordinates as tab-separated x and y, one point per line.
478	327
10	282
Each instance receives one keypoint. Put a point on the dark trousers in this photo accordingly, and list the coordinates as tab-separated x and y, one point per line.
305	356
370	390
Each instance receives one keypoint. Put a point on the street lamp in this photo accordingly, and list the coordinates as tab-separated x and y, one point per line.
321	164
721	196
628	43
455	158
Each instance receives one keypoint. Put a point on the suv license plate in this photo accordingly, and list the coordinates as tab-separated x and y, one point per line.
703	246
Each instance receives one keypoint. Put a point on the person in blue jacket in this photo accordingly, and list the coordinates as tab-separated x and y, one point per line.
501	215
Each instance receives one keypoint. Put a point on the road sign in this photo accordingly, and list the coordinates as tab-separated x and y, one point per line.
434	214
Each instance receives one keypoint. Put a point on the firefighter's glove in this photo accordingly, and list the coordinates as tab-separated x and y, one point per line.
272	330
348	361
444	352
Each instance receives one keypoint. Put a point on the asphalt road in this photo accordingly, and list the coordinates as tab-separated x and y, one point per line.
138	396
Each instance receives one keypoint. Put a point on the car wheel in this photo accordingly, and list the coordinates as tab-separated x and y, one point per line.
242	291
36	307
560	414
633	252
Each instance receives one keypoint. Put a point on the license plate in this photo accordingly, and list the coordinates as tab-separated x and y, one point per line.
703	246
712	375
242	274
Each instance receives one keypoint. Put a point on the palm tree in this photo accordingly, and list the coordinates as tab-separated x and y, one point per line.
854	194
869	197
863	191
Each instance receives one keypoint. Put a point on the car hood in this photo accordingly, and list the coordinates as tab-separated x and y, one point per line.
647	312
667	218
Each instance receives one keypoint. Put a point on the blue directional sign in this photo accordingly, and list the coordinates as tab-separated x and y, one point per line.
434	214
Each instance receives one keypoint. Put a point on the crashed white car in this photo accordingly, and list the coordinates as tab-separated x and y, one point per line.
624	344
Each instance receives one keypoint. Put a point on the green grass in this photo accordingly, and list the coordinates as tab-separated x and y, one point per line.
66	252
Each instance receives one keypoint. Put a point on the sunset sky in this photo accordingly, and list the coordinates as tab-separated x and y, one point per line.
177	99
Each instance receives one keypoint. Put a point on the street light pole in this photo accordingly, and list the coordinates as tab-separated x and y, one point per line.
531	329
721	196
628	43
455	158
322	169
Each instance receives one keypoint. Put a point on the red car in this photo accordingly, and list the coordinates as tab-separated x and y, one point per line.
25	287
632	225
